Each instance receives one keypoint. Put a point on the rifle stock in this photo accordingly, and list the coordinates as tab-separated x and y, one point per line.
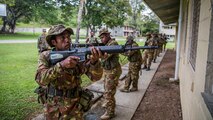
82	52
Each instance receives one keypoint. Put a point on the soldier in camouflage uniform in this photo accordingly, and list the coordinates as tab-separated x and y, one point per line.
92	39
42	44
63	79
112	72
149	53
165	41
135	60
155	37
160	44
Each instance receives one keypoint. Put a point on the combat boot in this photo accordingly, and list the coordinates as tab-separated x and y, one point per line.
124	90
107	116
148	69
144	67
133	89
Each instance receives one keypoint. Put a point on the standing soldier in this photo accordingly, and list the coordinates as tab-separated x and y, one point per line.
165	41
155	37
134	58
92	39
42	44
149	53
112	72
160	44
62	80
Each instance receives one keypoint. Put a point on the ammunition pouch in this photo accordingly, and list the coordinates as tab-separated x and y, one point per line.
111	63
85	100
134	58
42	94
69	93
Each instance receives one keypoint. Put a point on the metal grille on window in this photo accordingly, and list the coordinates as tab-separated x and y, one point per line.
194	38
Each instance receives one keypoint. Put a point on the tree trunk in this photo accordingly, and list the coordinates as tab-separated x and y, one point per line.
87	34
3	29
80	11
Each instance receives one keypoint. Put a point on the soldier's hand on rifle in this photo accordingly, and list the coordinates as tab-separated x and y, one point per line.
95	55
103	56
70	62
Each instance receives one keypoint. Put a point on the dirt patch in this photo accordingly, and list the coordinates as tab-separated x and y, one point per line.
162	98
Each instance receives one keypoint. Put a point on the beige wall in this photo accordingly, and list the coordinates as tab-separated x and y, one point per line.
192	82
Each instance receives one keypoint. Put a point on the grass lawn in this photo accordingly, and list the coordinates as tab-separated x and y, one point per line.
26	36
18	65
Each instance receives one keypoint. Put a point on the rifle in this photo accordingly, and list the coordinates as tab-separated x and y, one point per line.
77	45
82	52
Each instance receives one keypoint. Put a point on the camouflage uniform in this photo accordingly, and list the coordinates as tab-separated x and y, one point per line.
63	85
160	44
165	42
134	58
92	40
155	37
112	72
149	53
42	44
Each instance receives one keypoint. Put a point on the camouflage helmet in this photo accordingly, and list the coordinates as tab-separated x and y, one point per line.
56	30
148	34
129	38
103	31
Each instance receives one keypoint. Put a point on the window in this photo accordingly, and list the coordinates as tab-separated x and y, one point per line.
194	38
208	93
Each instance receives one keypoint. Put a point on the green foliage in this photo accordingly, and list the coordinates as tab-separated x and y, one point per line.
111	13
141	20
8	2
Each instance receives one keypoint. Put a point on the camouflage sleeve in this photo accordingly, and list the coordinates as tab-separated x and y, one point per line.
96	40
45	74
38	43
87	40
112	43
94	72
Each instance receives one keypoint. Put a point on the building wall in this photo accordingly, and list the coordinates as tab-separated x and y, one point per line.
117	31
124	31
192	82
169	30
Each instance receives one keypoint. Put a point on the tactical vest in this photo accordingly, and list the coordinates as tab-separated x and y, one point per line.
113	61
136	56
92	40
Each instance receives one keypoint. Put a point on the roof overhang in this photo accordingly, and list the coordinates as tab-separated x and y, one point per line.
166	10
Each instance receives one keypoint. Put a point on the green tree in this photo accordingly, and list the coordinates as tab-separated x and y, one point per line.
109	12
41	11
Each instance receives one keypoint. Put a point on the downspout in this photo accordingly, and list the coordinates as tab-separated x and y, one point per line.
178	44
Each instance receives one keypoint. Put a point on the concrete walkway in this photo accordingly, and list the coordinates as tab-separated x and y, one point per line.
126	103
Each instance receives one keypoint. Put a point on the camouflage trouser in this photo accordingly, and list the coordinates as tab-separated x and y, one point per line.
58	108
155	54
160	49
147	57
110	83
164	46
133	75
